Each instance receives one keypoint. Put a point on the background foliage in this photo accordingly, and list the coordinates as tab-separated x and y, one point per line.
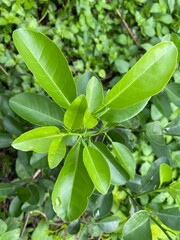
93	36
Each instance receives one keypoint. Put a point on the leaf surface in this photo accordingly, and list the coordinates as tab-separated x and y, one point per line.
146	78
73	187
170	217
97	168
37	140
46	61
37	109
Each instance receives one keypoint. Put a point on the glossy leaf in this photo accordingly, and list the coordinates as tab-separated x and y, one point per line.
89	121
73	118
73	187
174	127
46	61
173	91
37	109
94	94
118	175
170	217
37	140
125	157
173	37
138	227
154	133
165	173
56	153
109	224
117	116
97	168
146	78
82	82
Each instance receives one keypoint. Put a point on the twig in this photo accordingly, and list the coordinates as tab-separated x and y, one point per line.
127	27
36	174
25	225
4	71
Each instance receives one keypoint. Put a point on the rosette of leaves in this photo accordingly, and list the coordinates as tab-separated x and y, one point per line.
75	121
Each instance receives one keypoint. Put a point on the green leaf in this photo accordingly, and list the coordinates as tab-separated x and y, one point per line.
5	189
3	227
12	126
74	227
37	109
13	234
5	140
125	157
174	127
56	153
74	115
94	94
46	61
82	82
154	133
23	194
89	121
138	227
162	103
109	224
138	84
117	116
118	175
97	168
40	231
73	187
37	140
174	38
165	173
173	91
15	207
170	217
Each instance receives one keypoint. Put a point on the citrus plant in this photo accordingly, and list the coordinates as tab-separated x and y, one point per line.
76	123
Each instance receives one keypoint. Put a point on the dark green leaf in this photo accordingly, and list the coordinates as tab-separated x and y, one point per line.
82	82
174	127
23	194
154	133
170	217
5	189
15	207
12	126
138	227
37	109
74	227
5	140
47	63
109	224
173	91
162	103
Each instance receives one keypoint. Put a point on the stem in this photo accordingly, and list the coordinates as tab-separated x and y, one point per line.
24	226
159	225
4	71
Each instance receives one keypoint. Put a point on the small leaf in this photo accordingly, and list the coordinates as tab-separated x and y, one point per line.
94	94
117	116
15	207
56	153
37	109
125	157
5	140
173	91
74	227
37	140
138	84
118	175
162	103
74	115
46	61
174	127
82	82
138	227
170	217
89	121
73	187
154	133
165	173
3	227
40	231
109	224
97	168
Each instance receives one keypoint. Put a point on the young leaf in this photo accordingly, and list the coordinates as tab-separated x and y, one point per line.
37	109
97	168
74	115
170	217
117	116
118	175
73	187
174	127
146	78
138	227
94	94
46	61
89	121
173	91
165	173
37	140
125	157
56	153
